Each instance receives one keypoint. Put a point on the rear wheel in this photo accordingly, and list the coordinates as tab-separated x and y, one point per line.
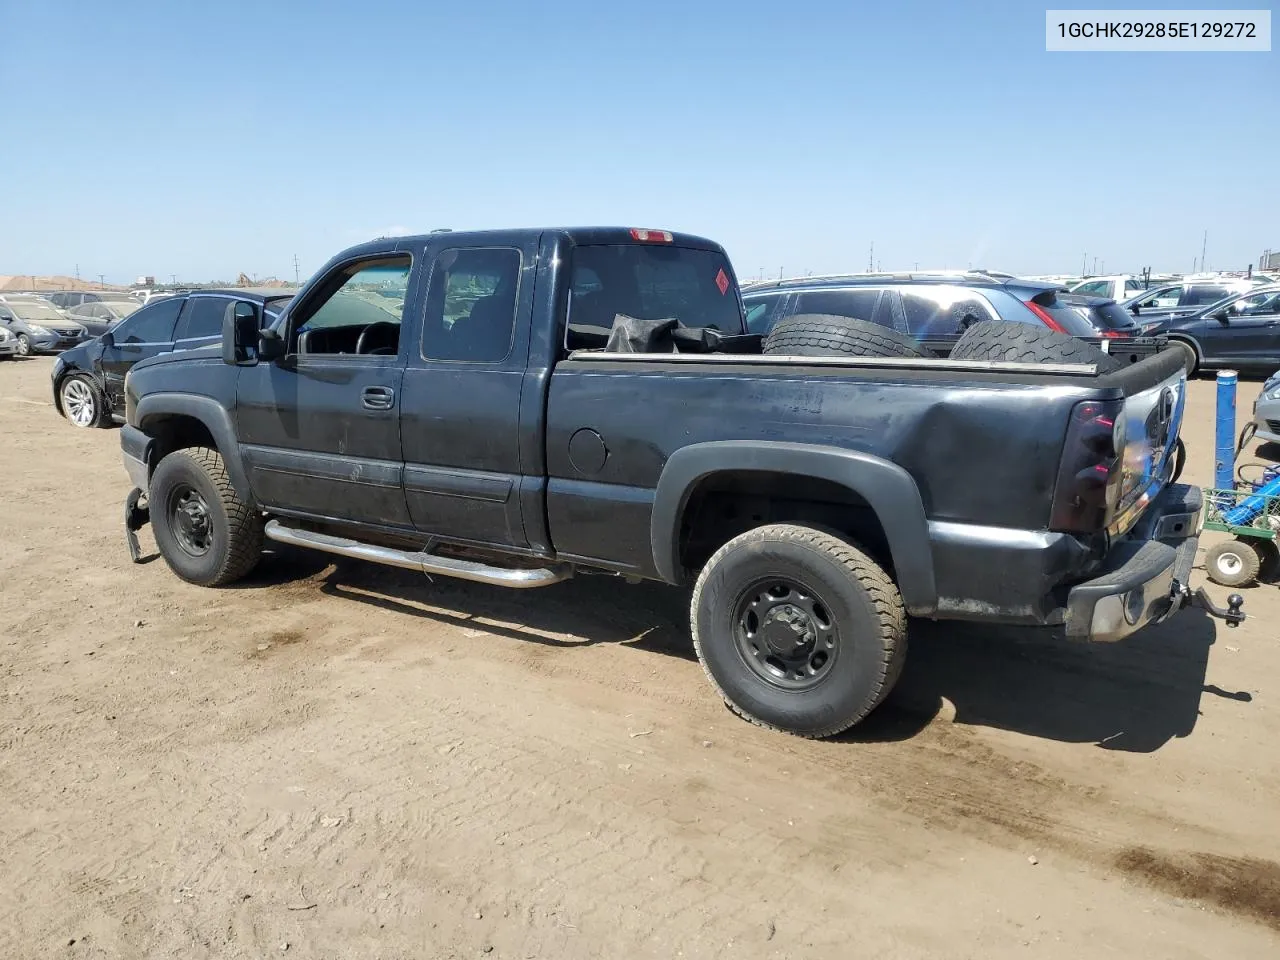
798	629
826	335
1233	563
205	532
1025	343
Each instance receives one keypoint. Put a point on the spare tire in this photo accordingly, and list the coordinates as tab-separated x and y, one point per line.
825	335
1027	343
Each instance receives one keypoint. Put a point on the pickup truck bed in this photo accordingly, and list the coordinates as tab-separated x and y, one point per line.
428	402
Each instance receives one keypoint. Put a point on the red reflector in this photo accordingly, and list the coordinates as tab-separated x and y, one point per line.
1043	314
651	236
1114	335
722	281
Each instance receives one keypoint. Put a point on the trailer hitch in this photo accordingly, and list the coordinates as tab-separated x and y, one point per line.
1234	614
135	518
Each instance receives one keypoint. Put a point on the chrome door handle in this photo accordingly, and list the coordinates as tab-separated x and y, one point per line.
377	398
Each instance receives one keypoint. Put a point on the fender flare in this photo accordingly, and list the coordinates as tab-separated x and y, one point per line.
889	490
216	419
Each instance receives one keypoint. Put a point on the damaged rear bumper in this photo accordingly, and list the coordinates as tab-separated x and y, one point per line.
1146	576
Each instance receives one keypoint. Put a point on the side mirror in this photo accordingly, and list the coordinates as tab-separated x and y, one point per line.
240	325
270	345
108	340
1223	316
1135	310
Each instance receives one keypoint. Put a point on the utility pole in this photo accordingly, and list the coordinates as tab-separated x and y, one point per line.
173	279
779	273
77	273
1084	264
102	281
871	258
296	278
1204	246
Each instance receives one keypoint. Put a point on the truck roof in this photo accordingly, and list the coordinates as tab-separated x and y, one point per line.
575	235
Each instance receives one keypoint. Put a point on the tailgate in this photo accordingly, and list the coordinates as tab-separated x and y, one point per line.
1155	393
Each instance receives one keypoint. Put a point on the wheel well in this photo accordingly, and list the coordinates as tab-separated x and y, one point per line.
176	432
726	504
1180	338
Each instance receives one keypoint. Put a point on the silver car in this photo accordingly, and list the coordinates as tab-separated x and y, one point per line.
1266	412
37	325
8	344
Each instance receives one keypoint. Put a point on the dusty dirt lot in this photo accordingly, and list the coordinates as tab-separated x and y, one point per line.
340	760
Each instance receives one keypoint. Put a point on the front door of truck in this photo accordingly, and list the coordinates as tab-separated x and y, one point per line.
319	428
461	416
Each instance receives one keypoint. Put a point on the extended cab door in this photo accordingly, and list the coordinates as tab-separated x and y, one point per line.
319	428
142	334
461	410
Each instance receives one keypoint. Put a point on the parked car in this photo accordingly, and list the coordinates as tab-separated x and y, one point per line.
480	426
932	309
1184	297
8	344
37	325
1106	317
70	299
1242	330
1119	287
88	381
1266	412
99	317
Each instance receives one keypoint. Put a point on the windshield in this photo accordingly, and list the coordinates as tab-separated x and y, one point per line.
649	282
30	310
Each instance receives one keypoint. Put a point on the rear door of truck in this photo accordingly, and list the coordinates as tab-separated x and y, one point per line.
462	392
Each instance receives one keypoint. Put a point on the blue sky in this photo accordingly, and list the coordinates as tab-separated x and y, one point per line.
236	135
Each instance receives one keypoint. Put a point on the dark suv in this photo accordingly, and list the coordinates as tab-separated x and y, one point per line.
88	381
933	309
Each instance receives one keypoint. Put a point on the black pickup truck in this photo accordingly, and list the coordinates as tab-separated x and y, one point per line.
476	405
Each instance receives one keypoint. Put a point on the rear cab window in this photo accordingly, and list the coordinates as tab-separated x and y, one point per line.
648	281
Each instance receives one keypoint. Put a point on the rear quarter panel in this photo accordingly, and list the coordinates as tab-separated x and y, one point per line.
981	450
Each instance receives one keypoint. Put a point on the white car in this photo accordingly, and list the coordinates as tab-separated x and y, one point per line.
1121	287
8	345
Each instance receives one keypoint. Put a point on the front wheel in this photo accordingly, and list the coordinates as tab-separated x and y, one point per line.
24	345
206	533
83	403
798	629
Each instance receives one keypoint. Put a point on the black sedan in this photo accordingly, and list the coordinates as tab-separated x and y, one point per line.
1242	331
101	315
88	381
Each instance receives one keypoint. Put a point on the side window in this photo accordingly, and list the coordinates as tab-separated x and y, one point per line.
854	304
942	311
202	318
153	324
357	311
1094	288
471	304
760	312
1132	288
1201	295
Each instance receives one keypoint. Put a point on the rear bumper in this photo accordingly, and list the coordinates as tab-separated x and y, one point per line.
1145	575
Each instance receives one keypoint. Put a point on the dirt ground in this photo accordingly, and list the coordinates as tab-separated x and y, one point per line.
338	760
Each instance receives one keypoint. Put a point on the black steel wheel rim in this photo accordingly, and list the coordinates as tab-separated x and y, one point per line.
190	520
785	633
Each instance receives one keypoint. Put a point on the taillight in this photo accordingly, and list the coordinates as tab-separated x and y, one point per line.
651	236
1090	473
1043	314
1114	335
